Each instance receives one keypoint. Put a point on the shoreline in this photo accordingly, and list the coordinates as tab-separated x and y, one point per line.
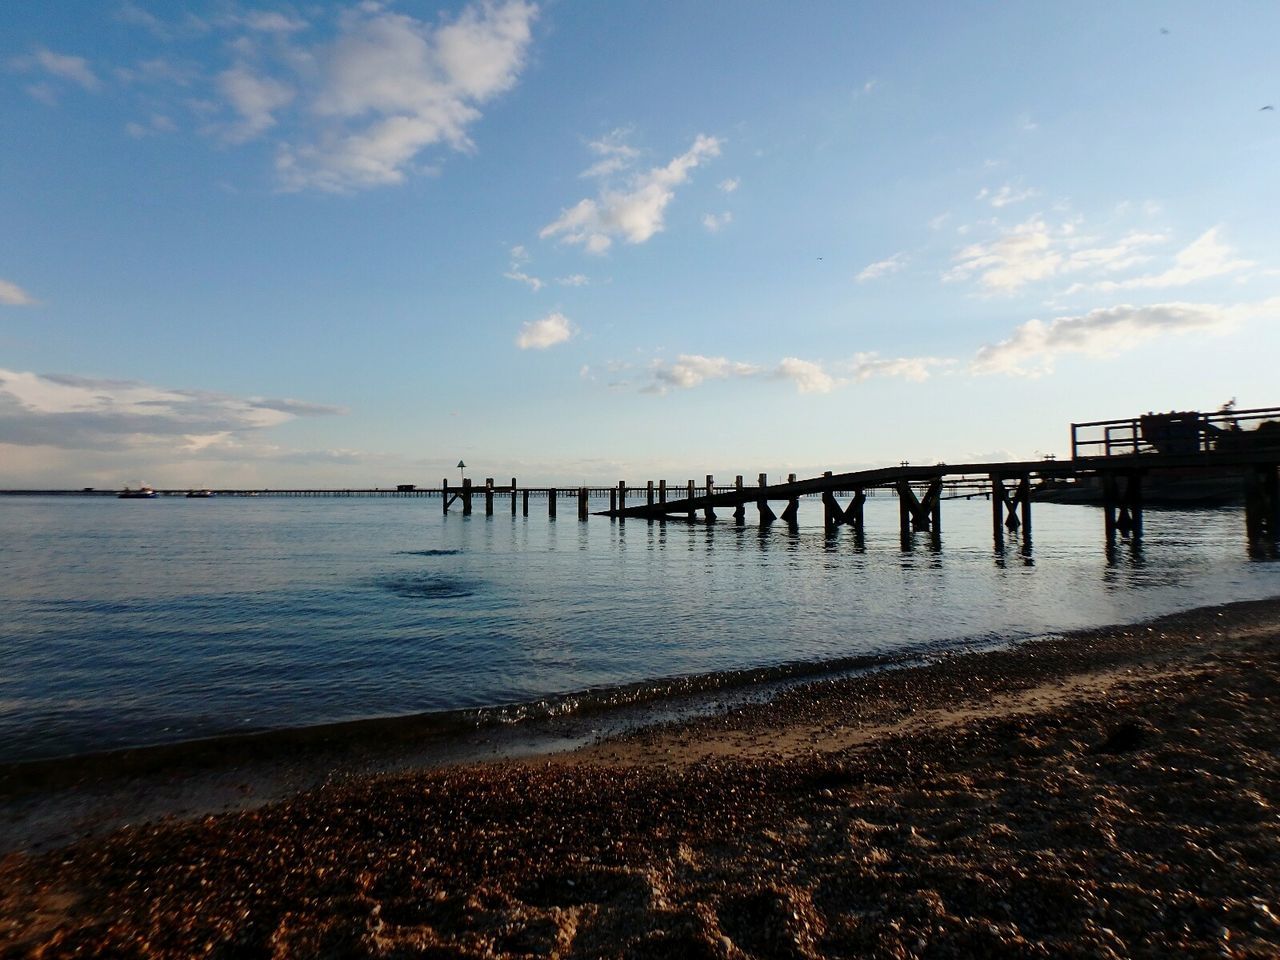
683	835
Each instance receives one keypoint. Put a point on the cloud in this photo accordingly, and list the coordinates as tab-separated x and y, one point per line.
391	86
1033	250
1206	257
614	152
271	21
714	223
534	283
634	213
864	366
12	295
540	334
574	280
63	66
158	123
1102	333
807	376
256	98
1006	195
690	370
74	412
881	268
728	185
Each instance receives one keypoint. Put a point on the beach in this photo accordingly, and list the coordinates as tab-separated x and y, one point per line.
1106	793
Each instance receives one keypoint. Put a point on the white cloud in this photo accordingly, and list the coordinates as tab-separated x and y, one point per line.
540	334
635	213
272	21
1101	333
715	223
158	123
728	185
63	66
534	283
256	98
864	366
391	86
808	377
80	412
574	280
1006	195
615	154
1204	258
12	295
1033	250
691	369
882	268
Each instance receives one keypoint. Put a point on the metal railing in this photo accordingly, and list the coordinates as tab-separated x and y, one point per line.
1179	432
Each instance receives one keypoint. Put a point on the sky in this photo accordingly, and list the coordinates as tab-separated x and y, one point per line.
350	244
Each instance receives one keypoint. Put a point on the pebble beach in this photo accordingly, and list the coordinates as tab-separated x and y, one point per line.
1109	793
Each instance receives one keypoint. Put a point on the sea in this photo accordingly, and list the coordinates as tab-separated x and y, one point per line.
129	623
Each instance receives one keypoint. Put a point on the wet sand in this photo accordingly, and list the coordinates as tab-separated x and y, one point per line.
1109	793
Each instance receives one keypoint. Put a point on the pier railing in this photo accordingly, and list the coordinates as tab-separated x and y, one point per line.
1178	433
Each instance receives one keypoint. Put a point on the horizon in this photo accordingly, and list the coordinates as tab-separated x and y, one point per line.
252	245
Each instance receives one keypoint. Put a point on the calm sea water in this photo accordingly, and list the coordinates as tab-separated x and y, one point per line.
137	622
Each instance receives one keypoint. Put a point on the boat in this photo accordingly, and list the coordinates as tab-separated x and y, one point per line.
199	494
142	493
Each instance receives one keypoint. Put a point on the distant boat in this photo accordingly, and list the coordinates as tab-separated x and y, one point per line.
142	493
199	494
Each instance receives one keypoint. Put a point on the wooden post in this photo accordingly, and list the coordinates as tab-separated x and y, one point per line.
710	512
524	499
583	513
466	497
693	514
1135	504
613	502
853	516
904	513
513	496
1024	507
488	497
997	512
791	478
740	509
648	495
551	503
662	492
444	494
1109	507
622	498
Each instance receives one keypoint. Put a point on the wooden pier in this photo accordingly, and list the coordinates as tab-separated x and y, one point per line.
1115	458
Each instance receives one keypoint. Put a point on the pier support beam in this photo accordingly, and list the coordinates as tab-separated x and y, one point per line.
622	499
767	516
917	515
1262	508
1122	505
551	503
524	501
583	512
739	511
513	496
790	514
613	502
488	497
445	497
466	498
648	495
693	514
709	513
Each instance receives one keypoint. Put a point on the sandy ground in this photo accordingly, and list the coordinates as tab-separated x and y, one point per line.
1108	794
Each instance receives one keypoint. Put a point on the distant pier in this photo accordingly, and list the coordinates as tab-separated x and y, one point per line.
1114	455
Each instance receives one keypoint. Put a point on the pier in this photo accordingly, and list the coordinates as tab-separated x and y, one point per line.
1113	459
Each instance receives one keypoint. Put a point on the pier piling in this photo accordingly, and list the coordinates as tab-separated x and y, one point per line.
551	504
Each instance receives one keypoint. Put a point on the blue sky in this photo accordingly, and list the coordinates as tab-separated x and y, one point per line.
349	244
